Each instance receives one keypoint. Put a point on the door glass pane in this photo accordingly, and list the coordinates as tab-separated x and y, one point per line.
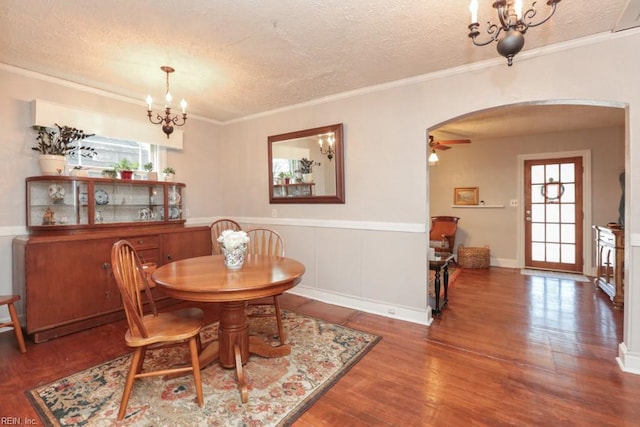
537	213
553	252
553	191
567	172
537	232
537	174
553	213
568	213
553	233
553	172
537	192
568	233
537	251
569	195
568	254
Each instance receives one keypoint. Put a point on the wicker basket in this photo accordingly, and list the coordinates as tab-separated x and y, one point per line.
473	257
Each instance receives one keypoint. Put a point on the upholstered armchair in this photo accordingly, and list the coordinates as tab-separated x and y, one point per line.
442	236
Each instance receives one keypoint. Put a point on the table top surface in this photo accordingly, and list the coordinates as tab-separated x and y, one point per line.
443	259
206	278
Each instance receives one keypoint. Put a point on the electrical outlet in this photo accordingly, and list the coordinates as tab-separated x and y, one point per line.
274	213
513	203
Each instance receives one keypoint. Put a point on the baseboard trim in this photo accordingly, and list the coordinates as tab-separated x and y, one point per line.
408	314
629	362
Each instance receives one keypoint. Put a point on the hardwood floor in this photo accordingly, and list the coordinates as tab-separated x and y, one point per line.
509	350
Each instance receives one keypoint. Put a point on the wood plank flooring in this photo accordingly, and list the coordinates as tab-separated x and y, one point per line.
509	350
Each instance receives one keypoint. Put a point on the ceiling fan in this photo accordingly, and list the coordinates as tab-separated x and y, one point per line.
444	145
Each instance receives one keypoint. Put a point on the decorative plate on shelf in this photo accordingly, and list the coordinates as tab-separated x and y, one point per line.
102	197
84	198
174	198
56	192
174	213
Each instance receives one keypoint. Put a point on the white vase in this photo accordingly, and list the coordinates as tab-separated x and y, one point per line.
307	177
51	164
152	176
234	257
169	177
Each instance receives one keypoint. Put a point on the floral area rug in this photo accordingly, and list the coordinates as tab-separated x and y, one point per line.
280	389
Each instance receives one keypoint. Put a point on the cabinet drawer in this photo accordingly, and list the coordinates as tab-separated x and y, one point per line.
144	242
149	255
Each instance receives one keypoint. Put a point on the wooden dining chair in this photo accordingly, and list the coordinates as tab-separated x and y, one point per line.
14	323
155	329
217	228
263	241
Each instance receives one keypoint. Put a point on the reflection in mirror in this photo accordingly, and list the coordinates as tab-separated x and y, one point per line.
307	166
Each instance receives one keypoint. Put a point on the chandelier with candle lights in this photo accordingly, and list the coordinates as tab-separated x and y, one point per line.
513	22
167	121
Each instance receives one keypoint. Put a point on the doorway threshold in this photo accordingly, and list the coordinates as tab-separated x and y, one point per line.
554	275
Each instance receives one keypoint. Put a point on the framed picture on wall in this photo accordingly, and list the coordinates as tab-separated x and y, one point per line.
465	196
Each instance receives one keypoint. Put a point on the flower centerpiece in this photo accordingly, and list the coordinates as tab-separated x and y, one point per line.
233	245
54	145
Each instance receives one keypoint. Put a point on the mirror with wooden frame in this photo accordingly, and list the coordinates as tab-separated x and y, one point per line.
307	166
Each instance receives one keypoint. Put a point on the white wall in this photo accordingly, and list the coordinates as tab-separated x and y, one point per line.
385	153
371	251
17	90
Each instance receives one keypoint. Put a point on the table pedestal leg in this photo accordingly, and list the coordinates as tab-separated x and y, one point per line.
209	354
233	331
235	344
242	384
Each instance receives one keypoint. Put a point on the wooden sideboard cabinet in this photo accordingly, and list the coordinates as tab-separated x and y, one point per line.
610	263
298	189
66	278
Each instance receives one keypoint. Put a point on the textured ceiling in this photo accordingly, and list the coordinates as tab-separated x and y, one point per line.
529	119
236	58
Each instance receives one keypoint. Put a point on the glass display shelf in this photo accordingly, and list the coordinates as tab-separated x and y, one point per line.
62	202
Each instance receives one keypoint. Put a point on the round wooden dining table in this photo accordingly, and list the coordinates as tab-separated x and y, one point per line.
207	279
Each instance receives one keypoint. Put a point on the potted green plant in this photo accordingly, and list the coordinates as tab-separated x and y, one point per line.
285	176
55	144
169	173
109	173
306	168
151	175
125	167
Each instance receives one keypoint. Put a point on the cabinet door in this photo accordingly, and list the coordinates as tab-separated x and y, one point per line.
186	244
56	203
69	281
123	201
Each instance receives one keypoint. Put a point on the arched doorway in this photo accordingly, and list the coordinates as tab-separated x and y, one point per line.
500	138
